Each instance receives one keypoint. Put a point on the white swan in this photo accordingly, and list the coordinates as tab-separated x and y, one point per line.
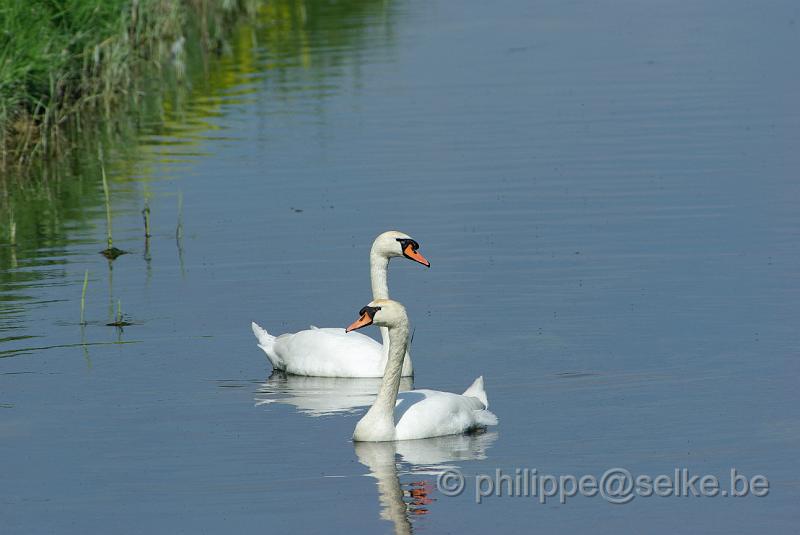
328	352
416	413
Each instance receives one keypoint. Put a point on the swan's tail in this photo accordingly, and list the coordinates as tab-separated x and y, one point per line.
485	418
476	391
265	341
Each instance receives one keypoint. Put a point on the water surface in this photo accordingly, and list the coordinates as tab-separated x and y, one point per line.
607	193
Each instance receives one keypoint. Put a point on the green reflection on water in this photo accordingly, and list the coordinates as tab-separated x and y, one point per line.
291	48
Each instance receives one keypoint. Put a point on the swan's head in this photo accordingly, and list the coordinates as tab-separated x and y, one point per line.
380	312
394	243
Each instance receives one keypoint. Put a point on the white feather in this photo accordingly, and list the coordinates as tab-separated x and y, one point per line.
327	352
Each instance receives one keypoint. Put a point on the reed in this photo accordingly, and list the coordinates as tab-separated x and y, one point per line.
179	227
64	62
83	296
12	228
110	251
119	319
146	216
107	196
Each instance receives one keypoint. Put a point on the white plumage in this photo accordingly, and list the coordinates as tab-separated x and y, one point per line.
328	352
417	413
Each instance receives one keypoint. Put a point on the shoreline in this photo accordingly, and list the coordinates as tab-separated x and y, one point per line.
62	79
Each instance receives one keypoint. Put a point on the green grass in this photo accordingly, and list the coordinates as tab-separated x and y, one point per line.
63	61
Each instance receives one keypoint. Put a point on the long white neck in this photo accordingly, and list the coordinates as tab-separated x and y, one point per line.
378	276
387	395
378	423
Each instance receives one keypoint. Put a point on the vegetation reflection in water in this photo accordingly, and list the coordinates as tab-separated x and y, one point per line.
292	49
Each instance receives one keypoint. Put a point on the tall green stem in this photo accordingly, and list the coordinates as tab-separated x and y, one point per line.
108	205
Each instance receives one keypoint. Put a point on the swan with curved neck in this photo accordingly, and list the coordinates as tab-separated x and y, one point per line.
328	352
416	413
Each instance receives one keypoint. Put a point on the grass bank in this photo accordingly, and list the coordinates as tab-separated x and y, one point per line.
66	63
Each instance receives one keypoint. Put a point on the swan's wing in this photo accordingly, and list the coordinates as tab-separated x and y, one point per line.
430	413
330	352
405	400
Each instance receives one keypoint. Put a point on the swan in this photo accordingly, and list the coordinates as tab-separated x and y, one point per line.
328	352
416	413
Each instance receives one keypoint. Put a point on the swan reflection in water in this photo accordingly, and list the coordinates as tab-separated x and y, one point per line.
321	396
387	461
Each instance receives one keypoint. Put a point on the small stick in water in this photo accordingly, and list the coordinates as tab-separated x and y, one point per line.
120	320
146	215
109	252
179	228
109	238
83	295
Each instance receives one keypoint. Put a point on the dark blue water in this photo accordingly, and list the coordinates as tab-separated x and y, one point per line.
608	196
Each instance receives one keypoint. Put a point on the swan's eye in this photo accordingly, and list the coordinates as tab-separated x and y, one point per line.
365	317
409	248
369	311
405	242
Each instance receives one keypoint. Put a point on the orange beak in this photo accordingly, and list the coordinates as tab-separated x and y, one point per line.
363	321
409	252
